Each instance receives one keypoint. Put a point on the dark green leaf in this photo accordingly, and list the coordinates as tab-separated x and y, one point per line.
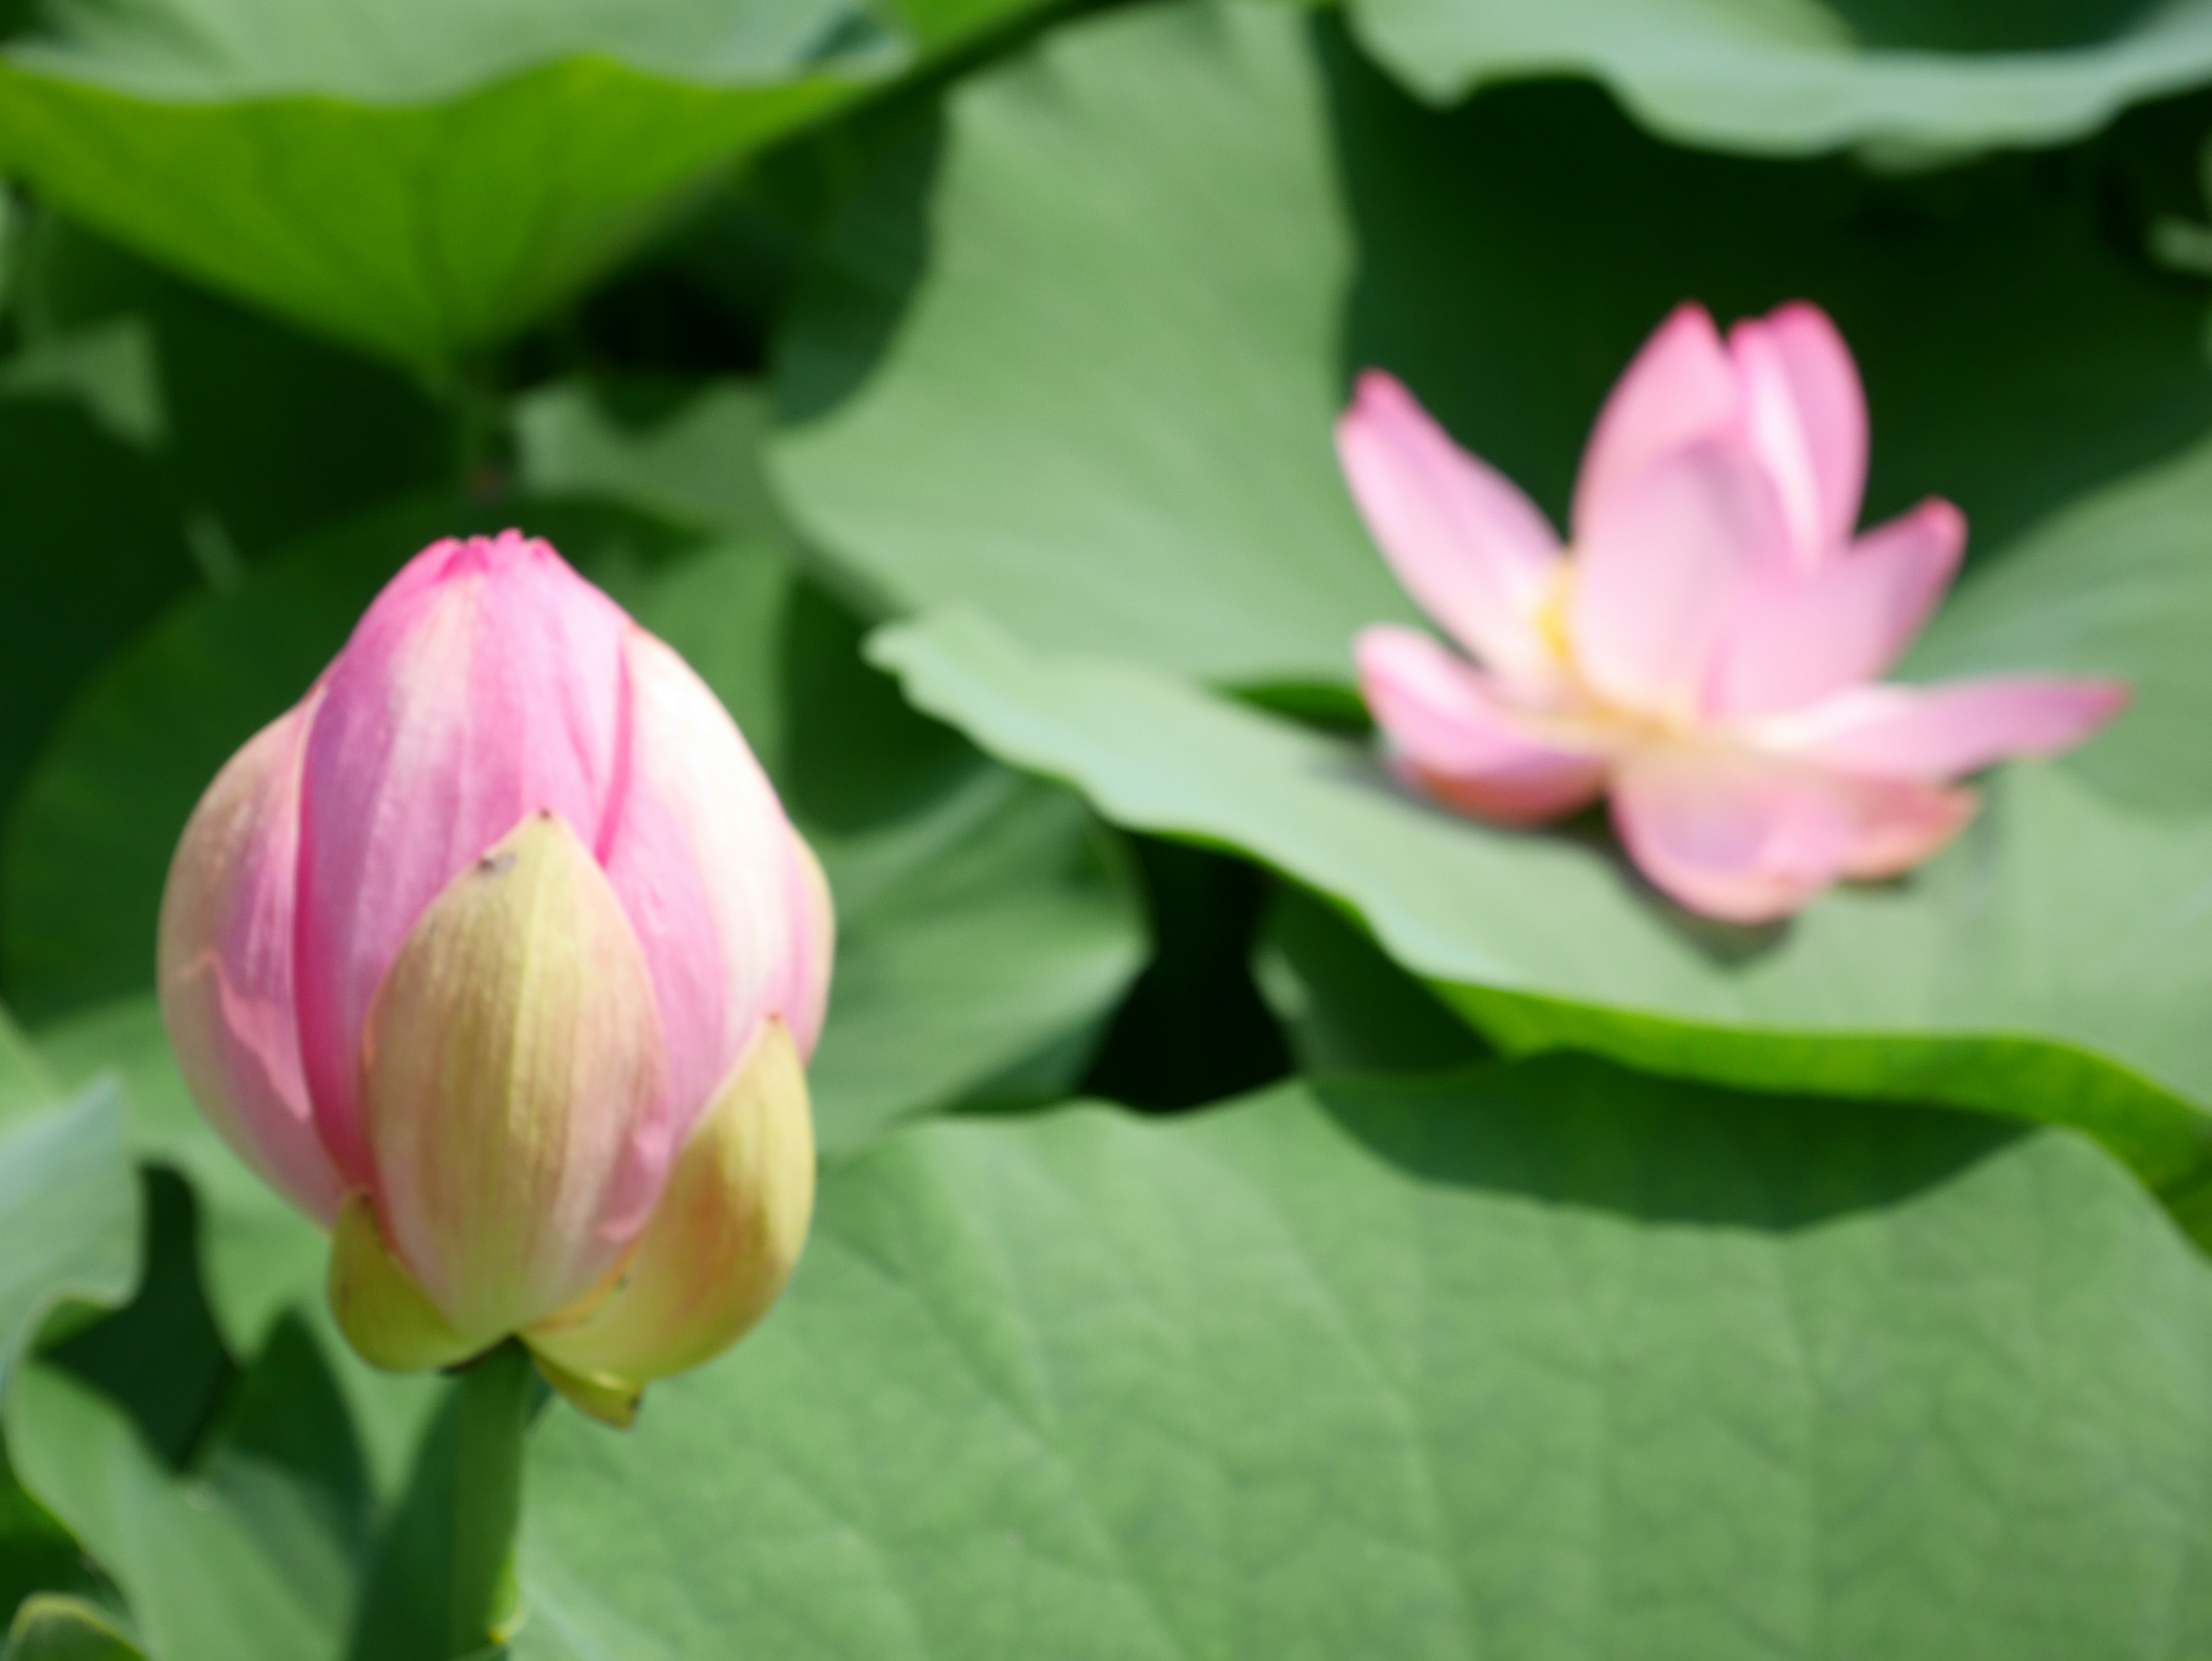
159	1357
92	531
268	432
36	1553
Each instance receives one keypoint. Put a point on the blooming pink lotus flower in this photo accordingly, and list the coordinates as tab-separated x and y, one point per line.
497	954
1702	656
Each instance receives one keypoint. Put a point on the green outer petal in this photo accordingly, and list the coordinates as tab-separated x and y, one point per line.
382	1309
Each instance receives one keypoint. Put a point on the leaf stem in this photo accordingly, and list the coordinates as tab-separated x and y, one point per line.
443	1583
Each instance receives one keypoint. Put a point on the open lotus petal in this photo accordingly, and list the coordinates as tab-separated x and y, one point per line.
1806	417
1452	733
1806	635
1730	832
1703	652
1678	390
1940	731
1666	567
1472	549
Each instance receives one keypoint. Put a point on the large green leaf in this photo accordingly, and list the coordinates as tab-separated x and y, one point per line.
1809	74
1549	1360
256	1550
236	1510
980	939
2051	964
420	177
1104	417
69	1215
1077	363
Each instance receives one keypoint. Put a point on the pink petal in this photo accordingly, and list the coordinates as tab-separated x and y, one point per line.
1680	389
1732	833
1808	634
1902	825
1467	544
483	685
1662	570
726	899
1451	733
1806	416
225	965
1938	733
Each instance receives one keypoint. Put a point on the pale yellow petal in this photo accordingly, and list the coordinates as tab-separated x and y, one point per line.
381	1308
723	1242
510	1085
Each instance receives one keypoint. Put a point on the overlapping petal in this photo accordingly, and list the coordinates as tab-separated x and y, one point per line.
1451	731
1902	823
1806	635
1679	389
1732	833
226	965
511	1086
1829	404
1466	543
1805	418
722	1243
483	685
1665	568
727	903
1944	731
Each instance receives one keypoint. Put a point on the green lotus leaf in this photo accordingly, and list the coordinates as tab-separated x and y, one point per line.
420	179
1546	1360
1918	77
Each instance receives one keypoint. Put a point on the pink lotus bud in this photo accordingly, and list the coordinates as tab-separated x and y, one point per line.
498	954
1703	655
